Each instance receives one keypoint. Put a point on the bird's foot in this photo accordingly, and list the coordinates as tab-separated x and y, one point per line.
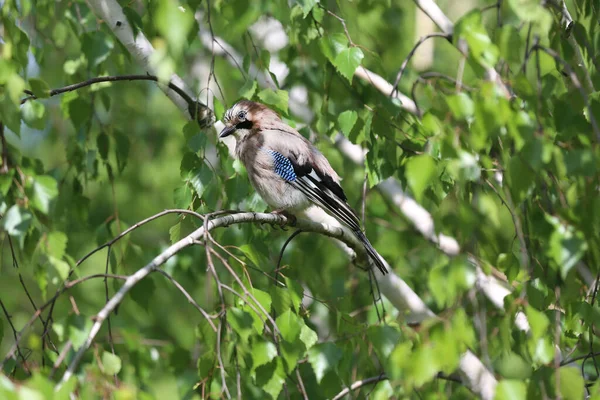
291	218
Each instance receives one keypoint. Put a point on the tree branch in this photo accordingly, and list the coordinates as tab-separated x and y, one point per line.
410	55
140	48
192	104
359	384
437	16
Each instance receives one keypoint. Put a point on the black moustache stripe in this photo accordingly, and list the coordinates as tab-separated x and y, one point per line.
244	125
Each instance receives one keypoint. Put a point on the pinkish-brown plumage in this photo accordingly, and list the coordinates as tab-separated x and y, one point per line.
286	170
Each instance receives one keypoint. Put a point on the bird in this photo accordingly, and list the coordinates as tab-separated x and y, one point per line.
287	170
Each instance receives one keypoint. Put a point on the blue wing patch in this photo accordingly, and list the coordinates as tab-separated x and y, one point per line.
283	166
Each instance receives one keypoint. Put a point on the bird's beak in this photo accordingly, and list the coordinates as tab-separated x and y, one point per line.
228	130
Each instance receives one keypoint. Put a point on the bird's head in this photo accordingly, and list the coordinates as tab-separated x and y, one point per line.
243	117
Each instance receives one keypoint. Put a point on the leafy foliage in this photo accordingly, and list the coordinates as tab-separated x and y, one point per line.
506	165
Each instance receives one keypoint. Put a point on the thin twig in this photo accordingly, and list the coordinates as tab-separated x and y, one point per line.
193	105
188	297
410	55
16	337
359	384
34	317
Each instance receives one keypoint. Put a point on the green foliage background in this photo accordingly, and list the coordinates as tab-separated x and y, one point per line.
513	178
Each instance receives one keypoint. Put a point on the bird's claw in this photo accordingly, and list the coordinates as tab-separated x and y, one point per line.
291	219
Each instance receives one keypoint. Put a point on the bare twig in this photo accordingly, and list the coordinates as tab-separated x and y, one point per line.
359	384
188	297
410	55
193	105
159	260
16	337
111	13
109	244
35	316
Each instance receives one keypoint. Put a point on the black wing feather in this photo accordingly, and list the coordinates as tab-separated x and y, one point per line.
322	190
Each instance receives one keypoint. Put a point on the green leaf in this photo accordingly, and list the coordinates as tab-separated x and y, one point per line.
465	167
471	29
461	105
346	121
206	334
219	109
58	271
290	325
332	45
566	246
533	11
262	353
182	196
275	98
271	377
307	6
512	366
134	19
123	145
102	143
79	112
324	357
16	221
200	179
571	383
143	292
96	47
511	390
196	138
241	322
420	172
247	91
538	321
33	113
111	363
56	244
347	61
175	232
45	190
425	365
78	330
520	178
308	337
40	88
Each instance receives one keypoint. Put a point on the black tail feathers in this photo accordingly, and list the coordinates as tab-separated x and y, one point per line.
371	252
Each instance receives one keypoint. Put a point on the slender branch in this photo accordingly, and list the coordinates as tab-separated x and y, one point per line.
188	297
141	50
192	104
387	89
16	337
159	260
437	16
34	317
108	245
411	54
359	384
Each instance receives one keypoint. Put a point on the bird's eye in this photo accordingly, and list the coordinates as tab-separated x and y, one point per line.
241	115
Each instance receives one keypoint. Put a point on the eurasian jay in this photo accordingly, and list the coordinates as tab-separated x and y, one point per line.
286	170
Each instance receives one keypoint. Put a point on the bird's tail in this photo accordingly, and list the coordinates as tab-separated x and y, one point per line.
371	251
